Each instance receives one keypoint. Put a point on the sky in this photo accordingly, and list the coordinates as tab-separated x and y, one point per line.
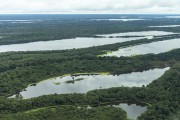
90	6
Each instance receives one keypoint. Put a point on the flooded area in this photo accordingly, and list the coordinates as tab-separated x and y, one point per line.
124	20
22	22
155	48
88	69
85	42
165	26
15	20
85	83
64	44
133	110
140	33
172	16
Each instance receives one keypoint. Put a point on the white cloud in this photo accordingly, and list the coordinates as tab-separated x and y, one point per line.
89	6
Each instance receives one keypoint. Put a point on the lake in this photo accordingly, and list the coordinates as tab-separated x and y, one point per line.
124	20
64	44
85	83
165	26
133	110
155	48
81	42
140	33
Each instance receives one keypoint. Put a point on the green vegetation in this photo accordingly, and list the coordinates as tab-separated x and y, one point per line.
56	83
176	116
71	113
20	69
28	68
164	99
73	81
71	26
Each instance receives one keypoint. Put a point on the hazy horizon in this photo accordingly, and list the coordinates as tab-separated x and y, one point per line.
89	7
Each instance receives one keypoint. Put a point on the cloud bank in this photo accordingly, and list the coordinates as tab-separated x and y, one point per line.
90	6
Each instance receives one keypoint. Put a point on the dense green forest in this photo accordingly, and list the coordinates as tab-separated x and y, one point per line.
162	101
20	69
71	113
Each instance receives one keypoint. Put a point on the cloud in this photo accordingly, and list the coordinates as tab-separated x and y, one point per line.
89	6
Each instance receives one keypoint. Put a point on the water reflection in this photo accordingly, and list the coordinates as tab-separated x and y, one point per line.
82	42
165	26
140	33
85	83
155	47
64	44
121	19
133	110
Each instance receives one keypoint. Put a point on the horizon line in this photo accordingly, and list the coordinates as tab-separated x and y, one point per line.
89	13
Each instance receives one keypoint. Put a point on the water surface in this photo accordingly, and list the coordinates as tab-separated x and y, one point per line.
140	33
85	83
165	26
124	20
64	44
81	42
133	110
155	48
172	16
